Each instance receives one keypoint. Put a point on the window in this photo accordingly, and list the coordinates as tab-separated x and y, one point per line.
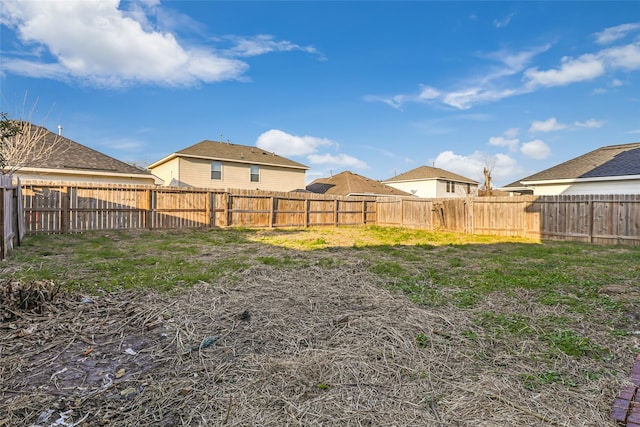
255	173
451	187
468	188
216	170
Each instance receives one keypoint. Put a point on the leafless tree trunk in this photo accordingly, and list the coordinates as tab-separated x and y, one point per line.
488	169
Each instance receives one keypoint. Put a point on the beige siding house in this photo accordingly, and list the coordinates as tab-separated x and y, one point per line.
69	161
429	182
211	164
614	169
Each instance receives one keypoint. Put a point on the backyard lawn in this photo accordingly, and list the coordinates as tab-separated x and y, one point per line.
363	326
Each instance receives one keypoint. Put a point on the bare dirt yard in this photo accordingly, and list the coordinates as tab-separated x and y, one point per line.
261	332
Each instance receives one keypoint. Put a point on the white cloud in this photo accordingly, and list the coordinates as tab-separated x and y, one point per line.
471	166
612	34
504	22
501	141
633	132
511	133
585	67
96	42
535	149
479	89
549	125
507	140
263	43
591	123
625	57
285	144
496	82
109	44
464	100
341	160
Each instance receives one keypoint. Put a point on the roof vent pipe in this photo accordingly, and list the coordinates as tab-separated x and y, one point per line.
59	130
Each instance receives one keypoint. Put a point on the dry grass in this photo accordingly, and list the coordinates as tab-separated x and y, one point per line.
300	345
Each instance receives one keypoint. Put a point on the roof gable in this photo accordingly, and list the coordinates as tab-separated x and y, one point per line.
70	155
213	150
427	172
613	160
346	183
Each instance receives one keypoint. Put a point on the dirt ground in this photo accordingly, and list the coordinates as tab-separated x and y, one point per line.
304	346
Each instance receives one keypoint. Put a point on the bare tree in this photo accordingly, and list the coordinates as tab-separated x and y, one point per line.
487	171
29	144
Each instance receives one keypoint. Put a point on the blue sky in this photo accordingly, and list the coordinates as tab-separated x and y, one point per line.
374	87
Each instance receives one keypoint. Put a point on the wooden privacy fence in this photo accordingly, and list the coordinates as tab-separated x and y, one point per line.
61	208
602	219
57	208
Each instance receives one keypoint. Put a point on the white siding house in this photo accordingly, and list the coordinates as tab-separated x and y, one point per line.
430	182
613	169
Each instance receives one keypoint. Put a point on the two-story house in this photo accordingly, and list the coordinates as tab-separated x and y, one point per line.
430	182
212	164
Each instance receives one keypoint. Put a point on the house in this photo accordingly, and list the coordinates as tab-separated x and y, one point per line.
516	189
614	169
431	182
351	184
52	157
222	165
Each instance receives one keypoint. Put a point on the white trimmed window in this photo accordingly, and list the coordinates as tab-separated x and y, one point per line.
255	173
216	170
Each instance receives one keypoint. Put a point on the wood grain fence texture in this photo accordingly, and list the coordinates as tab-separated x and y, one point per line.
56	208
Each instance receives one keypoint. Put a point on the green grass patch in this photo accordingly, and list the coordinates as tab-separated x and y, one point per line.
535	382
572	344
499	324
422	340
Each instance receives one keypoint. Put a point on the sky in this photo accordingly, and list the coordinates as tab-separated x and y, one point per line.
374	87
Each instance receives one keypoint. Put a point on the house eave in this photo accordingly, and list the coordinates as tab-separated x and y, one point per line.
429	179
83	172
221	159
578	180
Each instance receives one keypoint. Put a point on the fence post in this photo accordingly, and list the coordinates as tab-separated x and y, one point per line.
65	213
212	209
15	210
3	226
272	202
306	212
148	214
227	211
590	220
524	218
335	213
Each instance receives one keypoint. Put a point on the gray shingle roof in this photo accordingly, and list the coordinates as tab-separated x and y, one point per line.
427	172
613	160
70	155
346	183
214	150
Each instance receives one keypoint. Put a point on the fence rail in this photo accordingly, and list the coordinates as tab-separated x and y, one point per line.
45	207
